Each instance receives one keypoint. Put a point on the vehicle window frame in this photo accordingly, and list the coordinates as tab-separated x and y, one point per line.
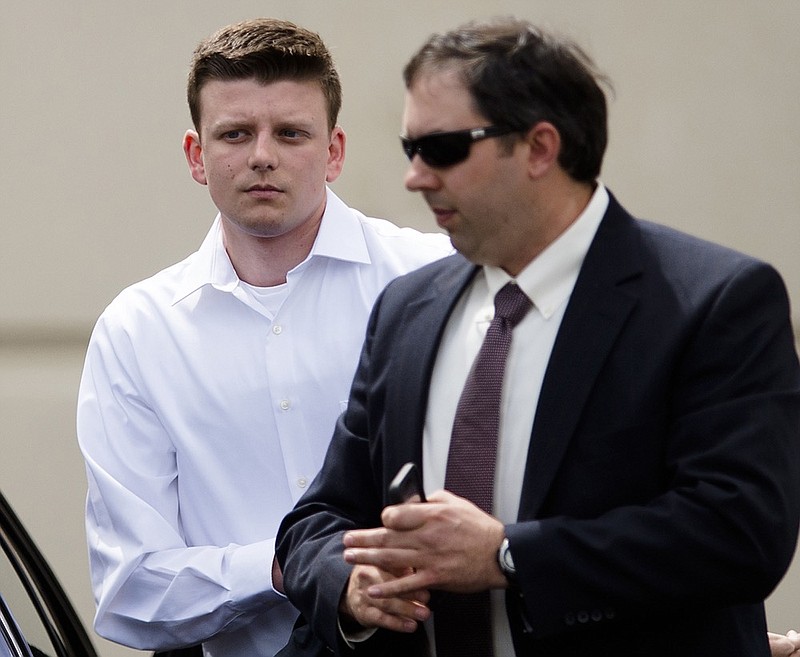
12	637
61	622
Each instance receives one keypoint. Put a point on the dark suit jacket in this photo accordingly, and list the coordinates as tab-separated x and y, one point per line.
662	489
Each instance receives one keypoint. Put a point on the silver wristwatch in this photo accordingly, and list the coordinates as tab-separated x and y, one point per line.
506	561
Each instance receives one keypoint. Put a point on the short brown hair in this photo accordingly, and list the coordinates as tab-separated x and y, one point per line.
518	75
266	49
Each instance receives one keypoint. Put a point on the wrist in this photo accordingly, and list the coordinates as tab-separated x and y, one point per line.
277	577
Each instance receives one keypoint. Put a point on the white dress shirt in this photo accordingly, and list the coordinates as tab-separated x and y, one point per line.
204	412
548	282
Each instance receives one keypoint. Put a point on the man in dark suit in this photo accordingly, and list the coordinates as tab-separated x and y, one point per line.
647	476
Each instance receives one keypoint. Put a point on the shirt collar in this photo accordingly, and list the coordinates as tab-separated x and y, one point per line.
549	278
340	236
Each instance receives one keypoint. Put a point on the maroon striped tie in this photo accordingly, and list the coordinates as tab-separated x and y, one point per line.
463	623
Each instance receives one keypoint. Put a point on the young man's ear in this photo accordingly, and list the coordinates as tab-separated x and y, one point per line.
335	154
193	151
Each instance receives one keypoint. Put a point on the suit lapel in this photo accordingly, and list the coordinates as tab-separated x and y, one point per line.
423	322
603	297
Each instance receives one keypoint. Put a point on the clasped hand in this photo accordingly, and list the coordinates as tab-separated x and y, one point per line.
446	543
784	645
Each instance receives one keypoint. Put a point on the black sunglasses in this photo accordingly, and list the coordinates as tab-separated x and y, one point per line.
444	149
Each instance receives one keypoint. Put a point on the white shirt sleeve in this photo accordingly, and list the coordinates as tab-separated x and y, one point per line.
151	589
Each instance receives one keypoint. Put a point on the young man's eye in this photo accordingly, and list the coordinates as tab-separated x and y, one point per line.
291	133
233	135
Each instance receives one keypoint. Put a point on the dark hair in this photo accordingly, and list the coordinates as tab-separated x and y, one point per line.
266	49
519	75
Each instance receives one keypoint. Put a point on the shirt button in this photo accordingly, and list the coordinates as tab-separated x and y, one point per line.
285	404
277	329
302	482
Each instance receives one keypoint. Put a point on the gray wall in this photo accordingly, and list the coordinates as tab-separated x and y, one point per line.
94	192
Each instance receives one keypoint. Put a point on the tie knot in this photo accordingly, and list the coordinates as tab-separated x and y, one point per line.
511	303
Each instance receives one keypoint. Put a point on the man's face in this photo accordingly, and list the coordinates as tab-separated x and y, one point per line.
265	152
476	201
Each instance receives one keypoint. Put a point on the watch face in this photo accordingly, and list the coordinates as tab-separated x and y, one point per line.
506	560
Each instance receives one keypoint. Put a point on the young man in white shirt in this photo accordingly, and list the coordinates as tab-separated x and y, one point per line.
210	390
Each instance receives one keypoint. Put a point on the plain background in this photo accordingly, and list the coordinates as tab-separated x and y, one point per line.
95	194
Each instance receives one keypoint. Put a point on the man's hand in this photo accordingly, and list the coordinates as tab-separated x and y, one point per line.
277	576
400	614
446	543
787	645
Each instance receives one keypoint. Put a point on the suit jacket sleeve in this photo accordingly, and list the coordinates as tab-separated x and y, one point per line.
345	495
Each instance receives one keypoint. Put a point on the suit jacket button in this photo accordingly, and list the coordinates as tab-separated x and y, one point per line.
569	618
597	615
583	616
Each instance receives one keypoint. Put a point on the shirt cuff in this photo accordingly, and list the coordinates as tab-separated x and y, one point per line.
251	571
351	638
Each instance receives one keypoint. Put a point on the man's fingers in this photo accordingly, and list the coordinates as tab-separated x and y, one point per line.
399	613
782	645
398	561
365	538
411	586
